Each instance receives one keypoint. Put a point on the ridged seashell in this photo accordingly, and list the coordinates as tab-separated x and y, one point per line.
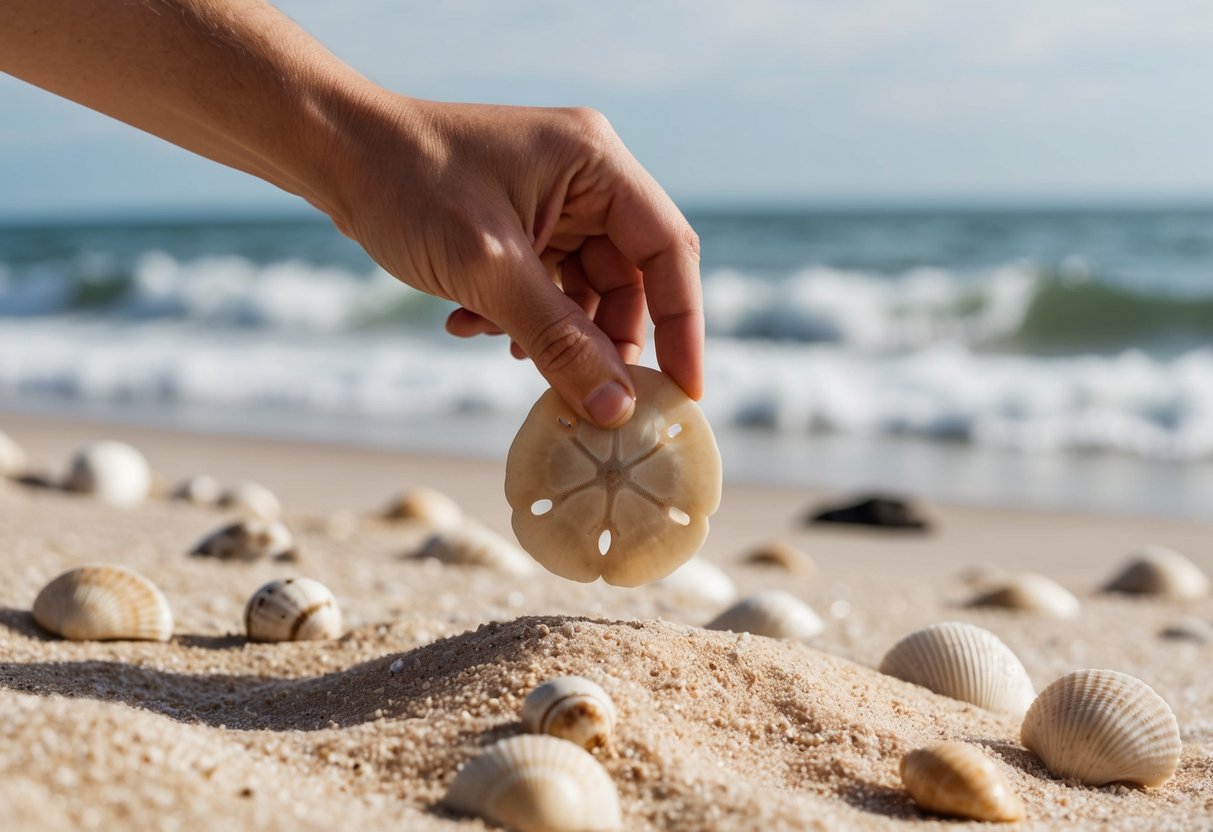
963	662
629	505
572	708
1100	727
13	461
958	779
104	603
701	579
202	490
248	540
472	544
1031	593
536	783
252	499
782	555
1157	570
292	609
111	471
424	505
773	613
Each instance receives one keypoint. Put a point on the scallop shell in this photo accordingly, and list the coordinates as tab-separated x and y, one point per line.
111	471
104	603
473	544
202	490
292	609
424	505
963	662
536	783
1031	593
1157	570
572	708
13	461
252	499
628	505
701	579
958	779
772	613
1100	727
248	540
782	555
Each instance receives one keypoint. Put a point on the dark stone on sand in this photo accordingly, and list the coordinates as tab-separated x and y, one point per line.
879	511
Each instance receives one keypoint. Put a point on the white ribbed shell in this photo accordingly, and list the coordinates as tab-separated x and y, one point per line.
12	458
1031	593
472	544
572	708
424	505
111	471
247	540
964	662
253	500
202	490
1100	727
700	579
958	779
292	609
1157	570
536	783
773	613
104	603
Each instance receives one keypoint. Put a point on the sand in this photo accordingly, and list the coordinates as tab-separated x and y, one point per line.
716	730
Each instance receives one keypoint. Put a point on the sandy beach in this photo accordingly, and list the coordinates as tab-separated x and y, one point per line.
716	731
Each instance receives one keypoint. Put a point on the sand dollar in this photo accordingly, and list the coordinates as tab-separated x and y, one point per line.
629	505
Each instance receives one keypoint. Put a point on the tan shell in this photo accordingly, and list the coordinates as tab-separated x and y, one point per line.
1100	727
292	609
252	500
472	544
1157	570
1031	593
772	613
110	471
782	555
248	540
700	579
963	662
958	779
629	505
104	603
424	505
202	490
572	708
13	461
536	783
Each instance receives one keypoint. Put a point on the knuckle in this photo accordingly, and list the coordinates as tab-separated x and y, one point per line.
591	126
560	345
689	241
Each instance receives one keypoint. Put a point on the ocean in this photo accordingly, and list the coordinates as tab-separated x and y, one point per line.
1058	358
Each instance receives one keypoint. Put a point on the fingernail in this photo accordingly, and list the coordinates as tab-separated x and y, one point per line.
609	404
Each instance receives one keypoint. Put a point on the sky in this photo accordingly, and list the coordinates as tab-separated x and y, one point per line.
755	102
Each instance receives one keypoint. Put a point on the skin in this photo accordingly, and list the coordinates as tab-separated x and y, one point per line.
538	222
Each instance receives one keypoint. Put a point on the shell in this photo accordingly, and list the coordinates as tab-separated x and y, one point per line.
1189	629
202	490
963	662
701	579
13	461
958	779
536	783
1100	727
773	613
104	603
629	505
473	544
1031	593
253	500
1157	570
572	708
111	471
781	555
424	505
248	540
292	609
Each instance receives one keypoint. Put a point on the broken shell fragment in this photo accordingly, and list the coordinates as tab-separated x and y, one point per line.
253	500
202	490
629	505
772	613
111	471
13	461
472	544
1031	593
248	540
104	603
782	555
958	779
963	662
571	708
536	783
1100	727
700	579
292	609
424	505
1157	570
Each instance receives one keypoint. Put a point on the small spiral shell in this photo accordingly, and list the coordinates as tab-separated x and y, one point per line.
292	609
572	708
958	779
248	540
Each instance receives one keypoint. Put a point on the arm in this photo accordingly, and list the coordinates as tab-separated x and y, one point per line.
538	222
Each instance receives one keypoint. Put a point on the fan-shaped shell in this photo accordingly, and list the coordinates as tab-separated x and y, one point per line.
202	490
1157	570
248	540
104	603
772	613
780	554
958	779
628	505
963	662
701	579
536	783
1031	593
572	708
111	471
424	505
253	500
1100	727
292	609
472	544
13	460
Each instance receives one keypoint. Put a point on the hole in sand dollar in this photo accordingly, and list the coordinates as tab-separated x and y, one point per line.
604	542
672	431
679	516
566	421
540	507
